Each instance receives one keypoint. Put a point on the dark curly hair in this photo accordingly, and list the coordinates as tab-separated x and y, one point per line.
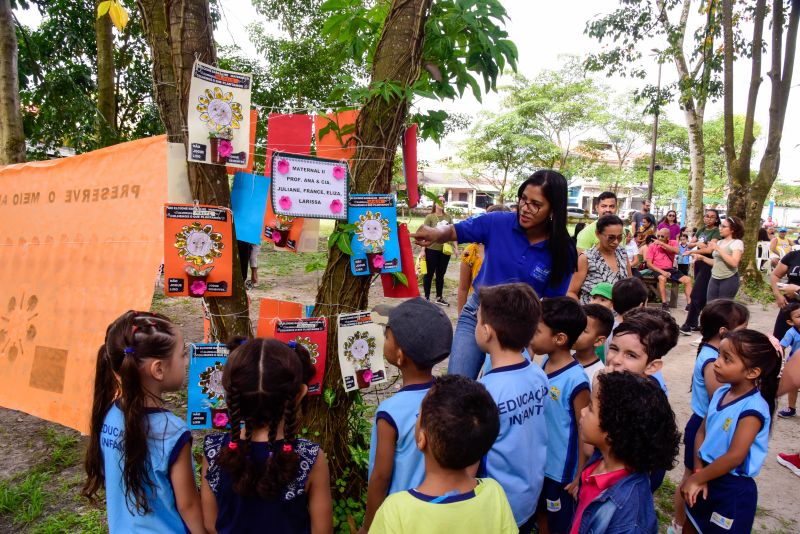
262	380
639	421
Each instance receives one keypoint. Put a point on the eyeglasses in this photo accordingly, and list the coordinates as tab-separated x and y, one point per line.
613	238
530	204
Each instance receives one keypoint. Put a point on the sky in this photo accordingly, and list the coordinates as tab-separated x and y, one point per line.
544	31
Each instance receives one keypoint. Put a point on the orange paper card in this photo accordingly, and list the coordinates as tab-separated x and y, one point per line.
270	312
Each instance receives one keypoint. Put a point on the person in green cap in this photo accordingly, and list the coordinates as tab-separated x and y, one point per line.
601	294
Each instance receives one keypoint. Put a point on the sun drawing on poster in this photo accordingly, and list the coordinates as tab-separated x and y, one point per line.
218	110
16	325
310	346
211	382
359	348
372	230
199	244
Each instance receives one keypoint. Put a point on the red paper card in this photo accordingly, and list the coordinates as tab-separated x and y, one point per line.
410	164
288	133
312	333
391	287
269	312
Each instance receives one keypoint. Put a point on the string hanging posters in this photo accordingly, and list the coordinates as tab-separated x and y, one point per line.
206	407
219	116
304	186
311	333
360	350
376	248
270	311
197	251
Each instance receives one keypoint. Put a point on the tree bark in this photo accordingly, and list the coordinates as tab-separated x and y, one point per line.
747	195
378	129
177	33
106	90
12	136
697	168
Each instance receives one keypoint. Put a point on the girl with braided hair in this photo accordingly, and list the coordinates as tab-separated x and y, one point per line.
261	475
138	450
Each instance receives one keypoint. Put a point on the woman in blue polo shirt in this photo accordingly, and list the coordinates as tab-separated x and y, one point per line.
530	246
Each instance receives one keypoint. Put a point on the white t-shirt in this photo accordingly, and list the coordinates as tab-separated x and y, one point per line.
633	250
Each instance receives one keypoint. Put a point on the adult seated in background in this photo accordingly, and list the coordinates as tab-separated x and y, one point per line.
779	246
471	261
606	205
643	221
604	262
531	246
670	222
661	260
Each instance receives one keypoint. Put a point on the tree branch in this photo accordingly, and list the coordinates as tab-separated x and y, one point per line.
748	137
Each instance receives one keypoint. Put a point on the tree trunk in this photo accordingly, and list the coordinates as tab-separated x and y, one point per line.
378	129
106	92
753	203
12	136
697	168
177	33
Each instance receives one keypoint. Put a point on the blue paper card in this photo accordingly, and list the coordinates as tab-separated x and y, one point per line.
249	202
206	406
375	245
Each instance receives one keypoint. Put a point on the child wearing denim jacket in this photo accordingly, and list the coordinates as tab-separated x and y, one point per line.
630	422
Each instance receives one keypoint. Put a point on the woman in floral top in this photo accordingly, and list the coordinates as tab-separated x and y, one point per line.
604	262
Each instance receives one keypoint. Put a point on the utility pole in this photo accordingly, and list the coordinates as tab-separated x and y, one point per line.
655	137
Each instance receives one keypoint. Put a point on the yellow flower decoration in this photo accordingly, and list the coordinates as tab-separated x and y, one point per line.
218	110
310	346
198	244
372	230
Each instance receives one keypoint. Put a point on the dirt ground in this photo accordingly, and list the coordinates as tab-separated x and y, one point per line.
28	442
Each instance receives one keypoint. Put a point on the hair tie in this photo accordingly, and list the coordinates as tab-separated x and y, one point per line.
135	328
128	350
243	341
287	447
292	344
233	445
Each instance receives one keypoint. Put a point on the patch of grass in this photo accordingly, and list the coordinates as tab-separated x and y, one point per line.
64	449
159	302
759	292
24	498
665	508
282	264
90	522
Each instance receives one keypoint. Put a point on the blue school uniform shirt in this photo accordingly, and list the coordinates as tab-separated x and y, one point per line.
721	422
659	378
791	340
682	260
700	399
166	437
562	422
510	257
517	458
401	411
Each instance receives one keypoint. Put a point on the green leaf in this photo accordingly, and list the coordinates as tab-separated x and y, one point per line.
333	237
328	396
400	277
343	242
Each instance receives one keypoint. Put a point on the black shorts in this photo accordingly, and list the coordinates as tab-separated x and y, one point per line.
684	268
674	274
558	504
689	433
730	507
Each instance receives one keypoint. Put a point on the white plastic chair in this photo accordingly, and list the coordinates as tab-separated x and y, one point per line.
762	257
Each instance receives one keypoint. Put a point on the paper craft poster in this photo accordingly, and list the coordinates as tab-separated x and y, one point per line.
198	260
311	333
282	231
270	311
219	116
205	407
249	202
360	345
304	186
375	245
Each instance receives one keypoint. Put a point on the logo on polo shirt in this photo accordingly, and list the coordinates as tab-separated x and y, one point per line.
727	424
540	273
555	393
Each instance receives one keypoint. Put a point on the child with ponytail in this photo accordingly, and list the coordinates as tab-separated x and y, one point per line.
261	475
731	443
718	318
138	450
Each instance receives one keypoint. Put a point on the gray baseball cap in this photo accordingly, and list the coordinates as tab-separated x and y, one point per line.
422	330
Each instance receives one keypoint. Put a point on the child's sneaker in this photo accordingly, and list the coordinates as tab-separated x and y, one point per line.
788	412
792	461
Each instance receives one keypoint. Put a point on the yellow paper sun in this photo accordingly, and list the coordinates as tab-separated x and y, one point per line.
218	110
198	245
372	230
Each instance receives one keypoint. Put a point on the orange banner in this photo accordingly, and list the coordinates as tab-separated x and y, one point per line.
80	243
335	134
198	251
271	311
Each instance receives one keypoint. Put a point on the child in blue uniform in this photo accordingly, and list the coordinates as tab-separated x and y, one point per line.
457	424
418	336
507	319
632	426
717	319
138	449
731	443
563	321
791	341
260	475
